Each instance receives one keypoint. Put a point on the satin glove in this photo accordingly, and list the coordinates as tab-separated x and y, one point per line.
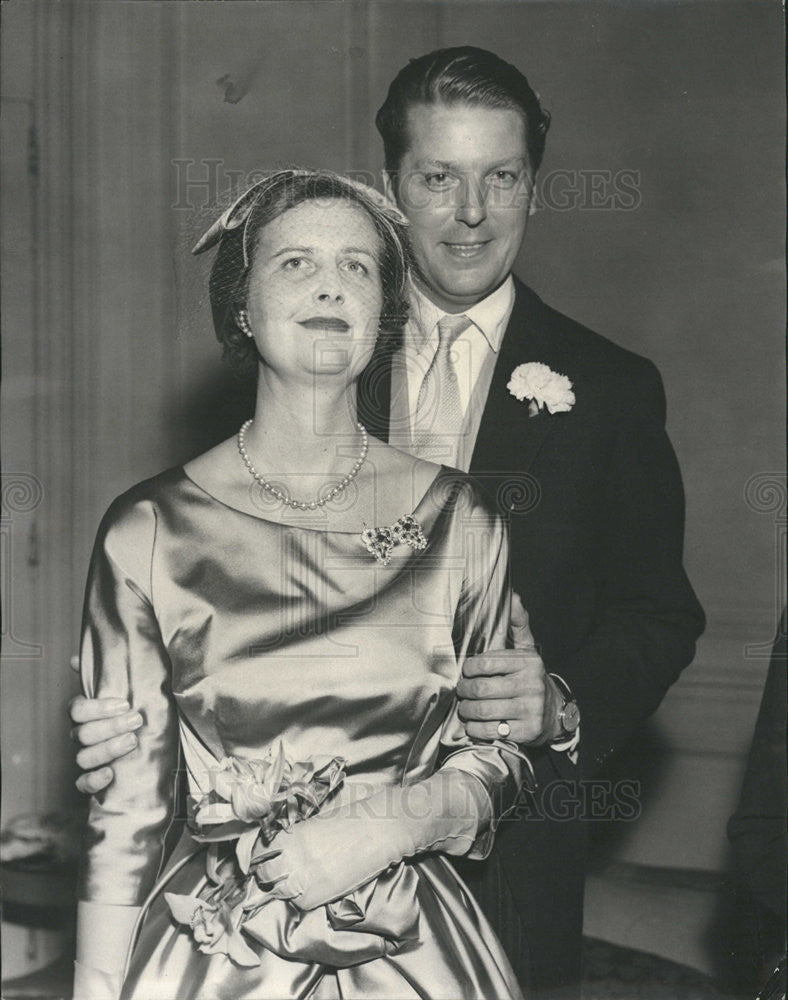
330	855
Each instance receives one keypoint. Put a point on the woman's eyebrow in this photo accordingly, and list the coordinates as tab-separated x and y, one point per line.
307	250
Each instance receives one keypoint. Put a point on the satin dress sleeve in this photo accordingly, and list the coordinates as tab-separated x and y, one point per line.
481	623
122	656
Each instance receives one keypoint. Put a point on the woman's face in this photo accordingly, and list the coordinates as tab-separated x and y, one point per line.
315	293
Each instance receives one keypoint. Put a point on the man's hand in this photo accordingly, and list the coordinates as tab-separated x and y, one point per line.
510	685
105	729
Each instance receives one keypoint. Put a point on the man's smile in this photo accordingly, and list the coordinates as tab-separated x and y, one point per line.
466	250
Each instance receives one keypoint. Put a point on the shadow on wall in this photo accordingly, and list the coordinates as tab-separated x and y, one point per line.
728	923
658	906
213	411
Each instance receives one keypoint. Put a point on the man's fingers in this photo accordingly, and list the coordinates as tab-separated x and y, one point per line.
519	628
489	731
82	709
95	781
494	661
524	716
499	709
494	670
89	758
491	686
91	733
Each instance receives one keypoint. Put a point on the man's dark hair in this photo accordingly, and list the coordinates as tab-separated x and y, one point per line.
463	75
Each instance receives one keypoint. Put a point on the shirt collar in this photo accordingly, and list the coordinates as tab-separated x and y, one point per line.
487	316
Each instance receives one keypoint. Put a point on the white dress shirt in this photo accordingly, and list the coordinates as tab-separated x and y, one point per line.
474	353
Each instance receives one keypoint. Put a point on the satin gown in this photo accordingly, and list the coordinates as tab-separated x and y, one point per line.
231	632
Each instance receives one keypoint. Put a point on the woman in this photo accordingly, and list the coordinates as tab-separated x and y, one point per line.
290	612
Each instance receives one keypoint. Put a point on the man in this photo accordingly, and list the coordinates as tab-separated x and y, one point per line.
585	470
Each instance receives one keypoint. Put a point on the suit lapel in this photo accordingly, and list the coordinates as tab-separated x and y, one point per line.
509	439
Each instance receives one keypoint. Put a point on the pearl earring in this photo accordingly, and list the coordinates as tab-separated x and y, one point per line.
243	323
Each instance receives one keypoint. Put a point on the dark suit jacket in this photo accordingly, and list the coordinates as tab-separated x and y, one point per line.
597	520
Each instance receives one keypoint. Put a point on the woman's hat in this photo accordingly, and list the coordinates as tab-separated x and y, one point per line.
238	214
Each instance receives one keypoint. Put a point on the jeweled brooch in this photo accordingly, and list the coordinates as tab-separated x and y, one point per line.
380	541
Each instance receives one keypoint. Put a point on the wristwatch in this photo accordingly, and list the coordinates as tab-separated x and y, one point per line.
569	716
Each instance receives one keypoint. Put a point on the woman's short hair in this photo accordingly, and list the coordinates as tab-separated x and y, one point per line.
266	201
462	75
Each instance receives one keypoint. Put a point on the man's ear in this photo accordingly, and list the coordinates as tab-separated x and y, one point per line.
533	204
389	187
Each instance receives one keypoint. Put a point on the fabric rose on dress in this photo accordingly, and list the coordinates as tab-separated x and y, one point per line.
216	927
250	802
543	387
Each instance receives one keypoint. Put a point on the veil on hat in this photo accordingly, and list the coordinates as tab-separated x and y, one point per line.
239	213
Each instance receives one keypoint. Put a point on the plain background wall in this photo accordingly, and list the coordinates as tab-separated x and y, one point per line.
112	373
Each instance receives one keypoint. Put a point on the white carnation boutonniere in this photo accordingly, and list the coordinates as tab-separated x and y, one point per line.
543	387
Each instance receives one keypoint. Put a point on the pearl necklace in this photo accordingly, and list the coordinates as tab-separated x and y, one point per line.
283	497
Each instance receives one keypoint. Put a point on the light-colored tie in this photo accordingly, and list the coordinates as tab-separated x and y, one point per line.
438	419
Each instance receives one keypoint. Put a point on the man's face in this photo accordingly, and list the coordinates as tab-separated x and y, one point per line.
464	185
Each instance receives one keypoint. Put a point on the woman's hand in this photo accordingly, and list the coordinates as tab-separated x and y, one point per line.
326	857
329	855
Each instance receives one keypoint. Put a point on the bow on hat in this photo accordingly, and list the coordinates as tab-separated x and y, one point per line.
239	212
